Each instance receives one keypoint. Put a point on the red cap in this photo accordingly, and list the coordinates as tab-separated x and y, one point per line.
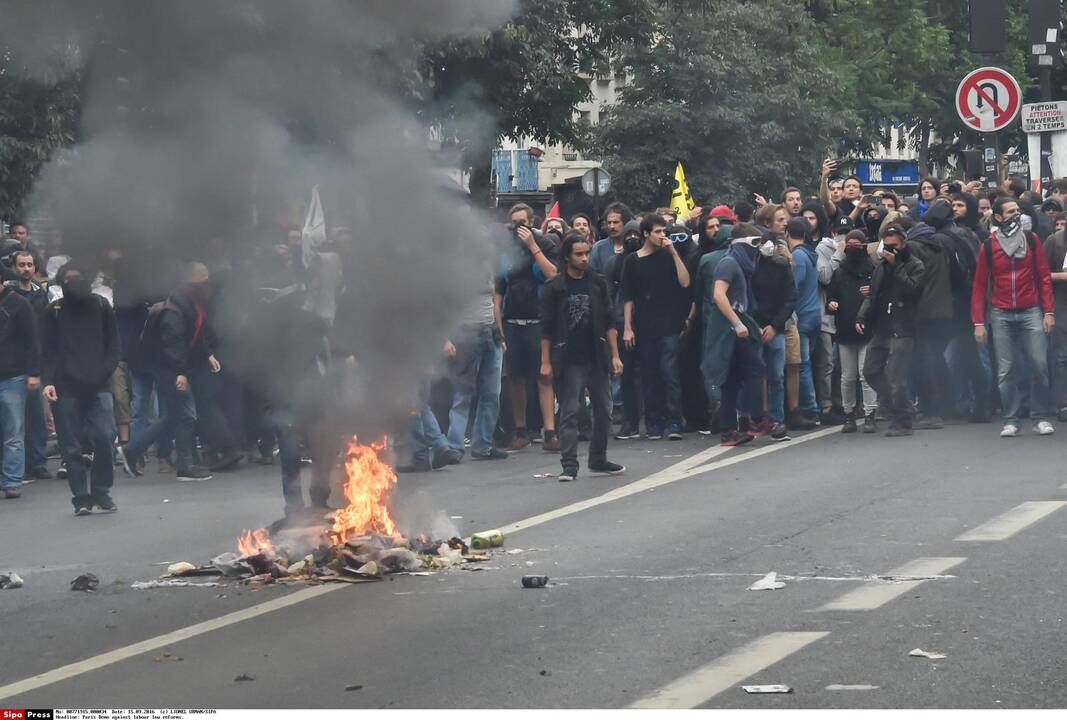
724	211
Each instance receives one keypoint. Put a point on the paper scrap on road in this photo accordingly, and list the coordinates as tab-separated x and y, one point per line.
769	581
85	583
766	689
931	655
180	568
851	687
10	581
149	584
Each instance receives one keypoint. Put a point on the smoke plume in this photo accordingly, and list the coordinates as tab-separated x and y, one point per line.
200	116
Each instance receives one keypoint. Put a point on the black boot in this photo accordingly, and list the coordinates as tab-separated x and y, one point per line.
849	425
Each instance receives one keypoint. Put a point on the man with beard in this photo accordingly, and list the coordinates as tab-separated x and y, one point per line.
81	351
1015	273
25	267
791	201
615	218
888	315
850	285
579	349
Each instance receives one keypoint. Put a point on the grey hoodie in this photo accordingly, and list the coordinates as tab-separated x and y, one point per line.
829	257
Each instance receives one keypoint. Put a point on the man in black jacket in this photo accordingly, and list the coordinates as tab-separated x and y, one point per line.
849	286
890	313
81	351
25	267
19	373
933	247
179	339
775	293
579	348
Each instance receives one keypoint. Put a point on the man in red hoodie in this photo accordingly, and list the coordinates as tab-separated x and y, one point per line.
1013	274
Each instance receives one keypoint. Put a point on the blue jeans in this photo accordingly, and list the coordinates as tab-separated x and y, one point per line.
475	369
659	381
36	431
1014	331
178	420
774	359
425	431
143	404
12	427
808	404
86	424
283	425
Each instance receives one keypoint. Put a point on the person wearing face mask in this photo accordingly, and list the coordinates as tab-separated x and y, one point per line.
888	316
625	389
81	351
809	316
849	286
735	371
775	293
829	253
1013	272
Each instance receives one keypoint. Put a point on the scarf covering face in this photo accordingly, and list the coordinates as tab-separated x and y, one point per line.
1011	235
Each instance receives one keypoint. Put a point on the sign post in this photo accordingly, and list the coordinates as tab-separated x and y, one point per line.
988	100
596	182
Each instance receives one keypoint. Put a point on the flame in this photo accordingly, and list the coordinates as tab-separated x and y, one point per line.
369	483
253	542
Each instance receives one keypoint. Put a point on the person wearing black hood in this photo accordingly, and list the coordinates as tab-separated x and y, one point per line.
81	351
626	387
930	244
971	374
850	285
888	316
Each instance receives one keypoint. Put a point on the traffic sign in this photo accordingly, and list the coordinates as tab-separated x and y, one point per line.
1045	117
596	182
988	99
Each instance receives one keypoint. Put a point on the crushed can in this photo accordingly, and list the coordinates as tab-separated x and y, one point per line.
486	540
534	581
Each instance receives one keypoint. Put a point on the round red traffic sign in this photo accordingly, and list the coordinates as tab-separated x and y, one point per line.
988	99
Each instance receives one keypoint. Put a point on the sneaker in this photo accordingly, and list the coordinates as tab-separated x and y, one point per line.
421	466
627	432
521	442
762	427
445	455
106	504
466	442
28	479
674	432
1010	430
898	431
551	443
194	473
607	467
870	424
12	493
849	425
799	421
228	460
928	422
567	476
40	473
1044	427
165	467
124	461
536	439
734	438
80	510
493	454
61	473
779	431
654	433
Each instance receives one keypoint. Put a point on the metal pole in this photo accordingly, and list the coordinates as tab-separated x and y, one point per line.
596	198
1045	78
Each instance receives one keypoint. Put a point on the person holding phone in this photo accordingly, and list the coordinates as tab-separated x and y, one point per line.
888	316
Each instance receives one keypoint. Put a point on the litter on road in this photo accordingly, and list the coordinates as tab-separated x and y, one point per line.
10	581
534	581
767	689
769	581
929	655
85	583
148	584
851	687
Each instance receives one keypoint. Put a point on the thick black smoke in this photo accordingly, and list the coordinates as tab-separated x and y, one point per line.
199	115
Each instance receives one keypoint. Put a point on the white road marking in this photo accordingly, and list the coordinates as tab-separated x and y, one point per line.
685	468
870	597
679	471
1018	518
160	641
706	682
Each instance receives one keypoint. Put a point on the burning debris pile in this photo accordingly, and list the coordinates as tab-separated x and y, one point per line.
359	543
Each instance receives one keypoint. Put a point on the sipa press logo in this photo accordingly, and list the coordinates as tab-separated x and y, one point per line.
13	714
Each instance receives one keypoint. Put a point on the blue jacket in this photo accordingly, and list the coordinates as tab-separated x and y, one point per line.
809	308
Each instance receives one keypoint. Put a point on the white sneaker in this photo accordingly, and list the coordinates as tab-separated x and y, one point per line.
1010	430
1044	427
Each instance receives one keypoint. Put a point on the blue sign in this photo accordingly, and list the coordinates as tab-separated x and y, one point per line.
888	172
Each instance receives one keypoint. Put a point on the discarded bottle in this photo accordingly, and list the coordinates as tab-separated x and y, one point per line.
486	540
534	581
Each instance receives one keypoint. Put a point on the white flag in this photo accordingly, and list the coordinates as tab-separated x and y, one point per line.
313	236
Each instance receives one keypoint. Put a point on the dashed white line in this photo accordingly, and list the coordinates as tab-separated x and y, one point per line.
706	682
870	597
1007	524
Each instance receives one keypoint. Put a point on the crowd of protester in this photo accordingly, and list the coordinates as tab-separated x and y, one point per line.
744	319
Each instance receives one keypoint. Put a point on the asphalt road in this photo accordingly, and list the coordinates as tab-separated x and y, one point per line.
648	604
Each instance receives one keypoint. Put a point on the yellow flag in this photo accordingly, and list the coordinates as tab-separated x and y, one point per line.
681	201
